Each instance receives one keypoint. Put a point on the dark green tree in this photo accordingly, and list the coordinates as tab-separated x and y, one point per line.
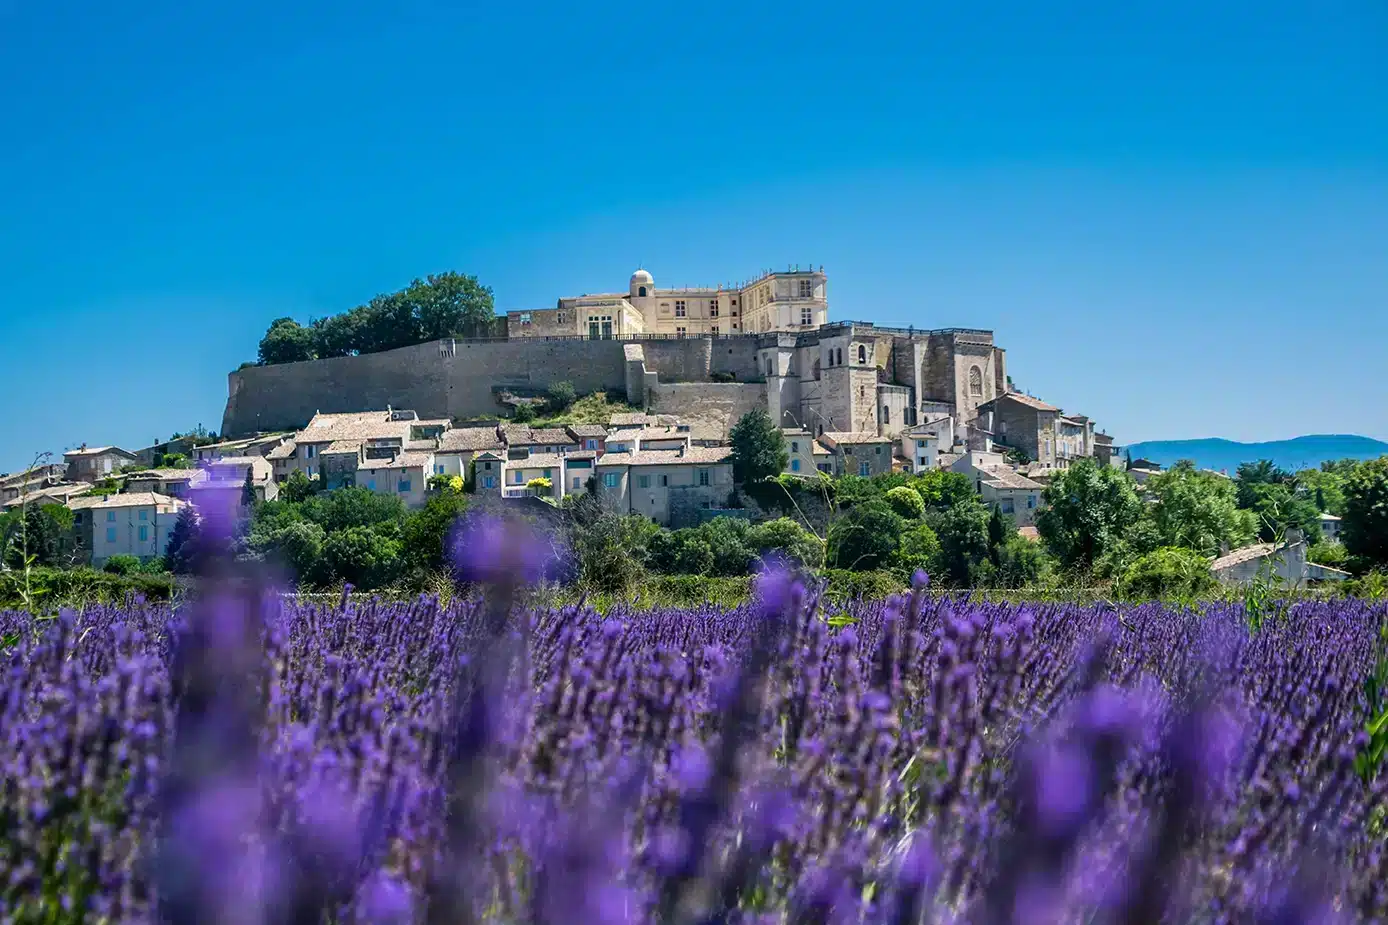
919	549
362	556
297	487
352	507
963	533
787	540
864	538
998	532
1088	510
426	531
248	490
758	449
941	489
560	396
905	502
182	555
1365	524
286	342
1198	510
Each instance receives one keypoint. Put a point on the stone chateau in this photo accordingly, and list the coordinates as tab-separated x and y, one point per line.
708	355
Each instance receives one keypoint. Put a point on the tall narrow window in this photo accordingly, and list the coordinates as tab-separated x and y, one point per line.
713	308
641	292
806	289
975	381
862	354
679	308
807	316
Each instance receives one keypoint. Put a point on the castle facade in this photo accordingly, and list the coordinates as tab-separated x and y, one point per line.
794	300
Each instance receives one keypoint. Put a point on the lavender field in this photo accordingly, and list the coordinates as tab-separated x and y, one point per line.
248	758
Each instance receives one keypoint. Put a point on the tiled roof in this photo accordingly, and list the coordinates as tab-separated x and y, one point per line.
96	451
1023	399
819	449
537	461
852	438
53	494
402	461
694	456
341	448
947	460
470	438
1240	556
1029	532
634	419
998	477
358	425
284	451
587	430
1328	517
515	433
550	436
133	499
163	475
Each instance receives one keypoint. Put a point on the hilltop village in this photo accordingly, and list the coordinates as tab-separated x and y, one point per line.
678	367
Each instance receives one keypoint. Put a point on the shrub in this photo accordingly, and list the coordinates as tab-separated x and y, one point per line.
1170	571
560	396
865	538
523	414
122	565
906	502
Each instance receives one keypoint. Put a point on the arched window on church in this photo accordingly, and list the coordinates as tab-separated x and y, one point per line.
641	292
839	360
862	354
975	381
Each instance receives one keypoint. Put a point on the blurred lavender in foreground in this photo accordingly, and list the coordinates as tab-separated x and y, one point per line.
252	760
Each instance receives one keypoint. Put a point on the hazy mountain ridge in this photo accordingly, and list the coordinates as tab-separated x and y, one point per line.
1304	452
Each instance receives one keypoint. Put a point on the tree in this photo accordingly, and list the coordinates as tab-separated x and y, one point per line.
524	413
182	555
38	533
1262	472
1171	571
906	502
450	304
425	533
560	396
918	549
1198	510
1088	509
728	539
963	533
759	450
248	489
352	507
297	487
865	538
362	556
787	540
941	489
999	529
298	546
122	565
1277	508
610	552
1020	563
693	556
286	342
1364	529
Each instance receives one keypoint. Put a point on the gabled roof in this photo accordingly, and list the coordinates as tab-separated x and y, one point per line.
401	461
132	499
97	451
1246	554
163	475
587	430
341	448
284	451
999	477
1022	399
465	439
852	438
549	436
693	456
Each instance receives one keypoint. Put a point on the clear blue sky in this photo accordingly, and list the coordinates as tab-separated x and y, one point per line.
1174	215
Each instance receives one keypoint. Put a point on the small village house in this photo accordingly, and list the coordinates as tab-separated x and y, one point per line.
130	524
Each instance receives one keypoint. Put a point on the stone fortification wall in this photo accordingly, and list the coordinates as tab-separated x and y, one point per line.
710	408
438	379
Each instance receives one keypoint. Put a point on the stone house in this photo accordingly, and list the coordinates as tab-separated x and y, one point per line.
458	446
1284	562
588	436
131	524
524	441
1019	421
1074	439
258	445
858	453
488	468
668	486
30	480
224	481
1014	494
800	450
405	475
171	482
92	464
1106	452
567	473
49	494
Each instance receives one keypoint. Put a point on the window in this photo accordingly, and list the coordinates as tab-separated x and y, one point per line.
110	517
714	330
807	315
312	451
525	317
806	290
438	470
864	469
641	292
839	361
679	308
886	414
404	486
703	477
643	481
770	368
611	479
713	308
110	534
371	484
680	331
1006	506
877	451
732	302
664	481
1031	501
795	465
590	444
144	534
558	317
975	381
517	478
862	354
144	515
795	446
578	482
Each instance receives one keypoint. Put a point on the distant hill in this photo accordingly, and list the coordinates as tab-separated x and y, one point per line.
1297	453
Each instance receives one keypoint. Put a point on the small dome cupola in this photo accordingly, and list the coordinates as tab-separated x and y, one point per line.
642	285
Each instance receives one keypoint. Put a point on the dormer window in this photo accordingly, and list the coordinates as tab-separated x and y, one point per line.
641	292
